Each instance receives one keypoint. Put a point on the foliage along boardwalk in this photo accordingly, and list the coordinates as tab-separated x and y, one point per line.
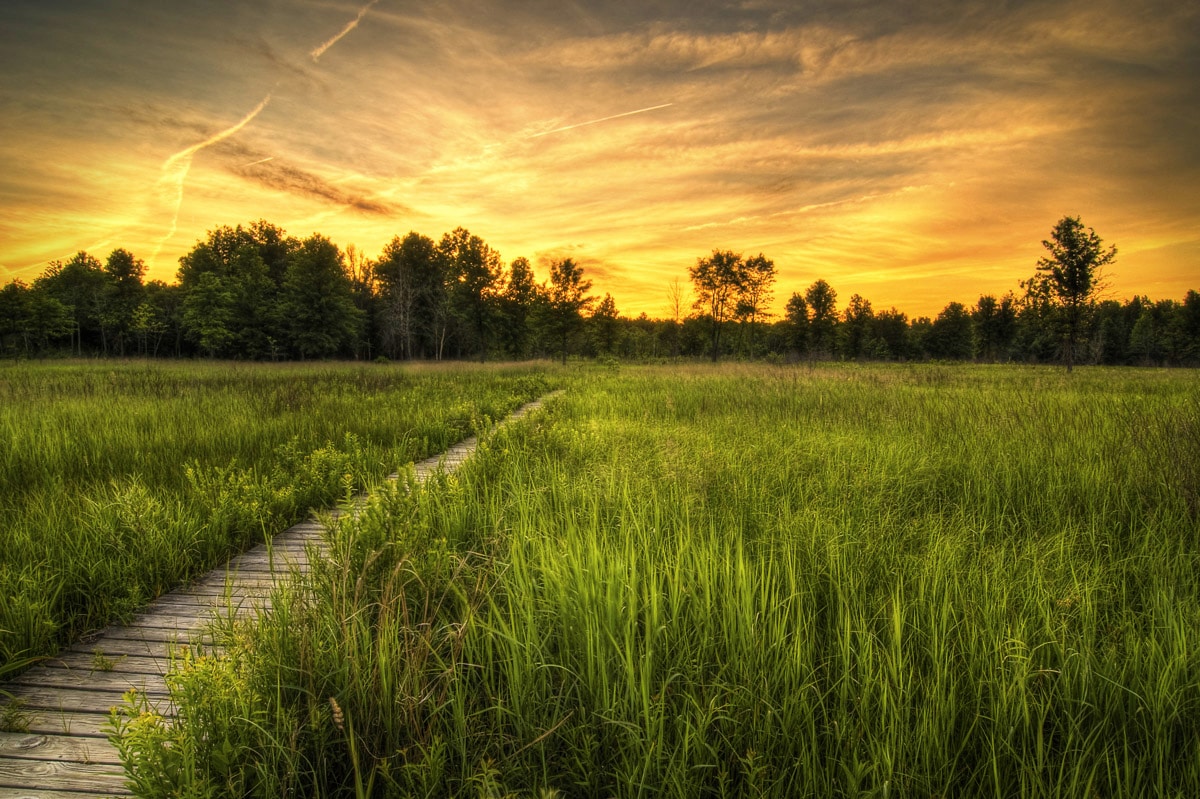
63	753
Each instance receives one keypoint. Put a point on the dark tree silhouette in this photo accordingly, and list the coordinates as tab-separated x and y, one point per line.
717	281
317	301
855	332
566	300
822	316
950	336
123	293
255	292
796	317
409	281
31	320
517	306
473	272
1072	275
756	291
79	285
604	323
995	325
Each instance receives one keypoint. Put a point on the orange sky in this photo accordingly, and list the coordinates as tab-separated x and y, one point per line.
912	152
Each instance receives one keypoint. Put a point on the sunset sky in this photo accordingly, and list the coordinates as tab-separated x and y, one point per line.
912	152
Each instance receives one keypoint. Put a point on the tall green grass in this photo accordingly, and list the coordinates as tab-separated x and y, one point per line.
119	481
882	581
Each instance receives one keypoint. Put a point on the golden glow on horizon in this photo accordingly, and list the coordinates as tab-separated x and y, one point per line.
911	163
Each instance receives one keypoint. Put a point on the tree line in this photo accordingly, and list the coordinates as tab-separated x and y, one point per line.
254	292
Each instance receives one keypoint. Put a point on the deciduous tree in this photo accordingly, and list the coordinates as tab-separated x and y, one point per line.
1072	274
473	272
208	314
566	300
796	317
995	325
604	325
410	282
317	302
517	306
822	316
757	289
855	332
717	281
950	336
123	293
79	285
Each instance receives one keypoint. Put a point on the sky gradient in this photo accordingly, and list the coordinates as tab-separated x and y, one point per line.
911	152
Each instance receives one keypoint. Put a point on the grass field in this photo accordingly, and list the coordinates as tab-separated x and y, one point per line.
120	480
742	581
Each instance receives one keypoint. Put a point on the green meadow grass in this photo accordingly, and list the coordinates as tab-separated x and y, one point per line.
744	581
120	480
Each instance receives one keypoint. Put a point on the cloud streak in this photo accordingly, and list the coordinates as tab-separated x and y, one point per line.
320	49
272	174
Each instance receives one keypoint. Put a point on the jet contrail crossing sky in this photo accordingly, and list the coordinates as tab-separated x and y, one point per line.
351	25
598	121
175	169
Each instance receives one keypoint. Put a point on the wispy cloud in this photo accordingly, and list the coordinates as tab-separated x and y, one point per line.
320	49
273	174
796	131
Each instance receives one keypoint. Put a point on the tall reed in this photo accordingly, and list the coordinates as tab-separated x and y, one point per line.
846	581
118	481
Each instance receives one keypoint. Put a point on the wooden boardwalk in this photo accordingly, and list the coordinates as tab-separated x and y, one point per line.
63	752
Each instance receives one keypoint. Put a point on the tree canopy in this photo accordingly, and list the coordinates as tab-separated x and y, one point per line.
255	292
1072	275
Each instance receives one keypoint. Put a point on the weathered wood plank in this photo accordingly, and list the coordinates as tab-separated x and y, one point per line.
61	775
156	635
39	746
81	679
234	580
75	700
47	793
64	722
115	647
262	561
222	591
209	606
86	663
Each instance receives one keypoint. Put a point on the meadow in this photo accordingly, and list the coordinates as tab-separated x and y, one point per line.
741	581
119	481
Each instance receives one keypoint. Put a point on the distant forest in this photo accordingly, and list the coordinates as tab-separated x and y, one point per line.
256	293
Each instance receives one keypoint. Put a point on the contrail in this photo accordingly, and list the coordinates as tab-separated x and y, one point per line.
351	25
598	121
175	169
259	161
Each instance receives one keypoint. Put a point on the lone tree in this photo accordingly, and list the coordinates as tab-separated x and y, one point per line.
1072	276
718	282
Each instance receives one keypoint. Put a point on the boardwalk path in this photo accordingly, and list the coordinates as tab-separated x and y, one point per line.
63	754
